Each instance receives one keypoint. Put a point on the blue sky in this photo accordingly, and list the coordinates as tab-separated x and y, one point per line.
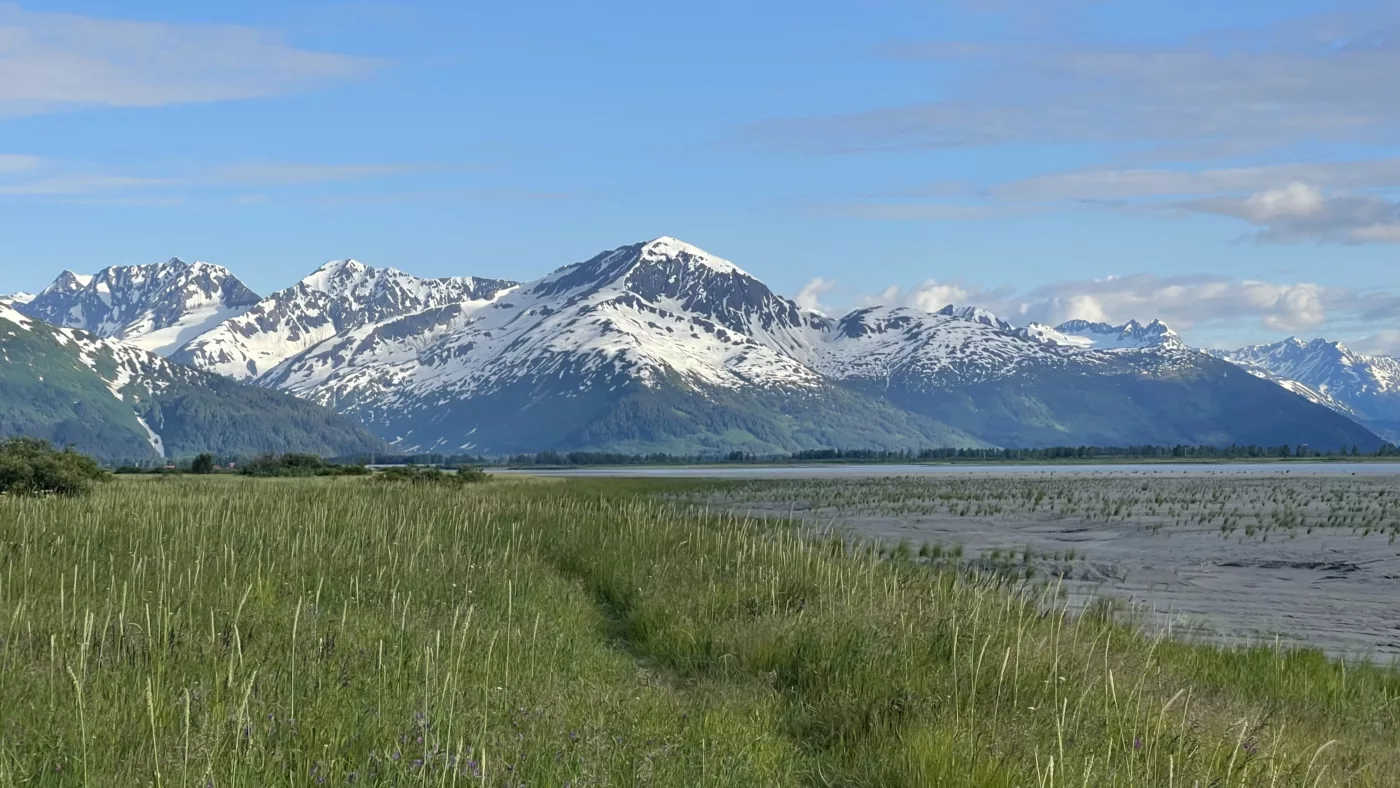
1230	167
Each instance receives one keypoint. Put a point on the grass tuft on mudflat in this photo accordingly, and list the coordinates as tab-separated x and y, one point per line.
240	632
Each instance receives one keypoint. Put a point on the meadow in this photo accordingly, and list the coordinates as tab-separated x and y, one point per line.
251	632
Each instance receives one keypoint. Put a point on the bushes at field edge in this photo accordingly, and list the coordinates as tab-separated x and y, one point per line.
29	466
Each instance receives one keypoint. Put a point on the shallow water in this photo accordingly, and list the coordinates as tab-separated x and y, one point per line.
858	471
1333	588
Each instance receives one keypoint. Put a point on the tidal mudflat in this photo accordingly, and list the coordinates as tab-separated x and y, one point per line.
1235	558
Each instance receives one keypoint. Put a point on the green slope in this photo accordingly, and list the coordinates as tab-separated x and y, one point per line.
1209	403
72	388
47	392
624	415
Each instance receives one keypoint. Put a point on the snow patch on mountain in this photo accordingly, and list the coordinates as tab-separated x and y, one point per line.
9	314
156	441
195	323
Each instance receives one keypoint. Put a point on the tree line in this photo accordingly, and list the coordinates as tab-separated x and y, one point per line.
258	465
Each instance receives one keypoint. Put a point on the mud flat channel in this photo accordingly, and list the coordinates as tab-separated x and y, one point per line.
1235	559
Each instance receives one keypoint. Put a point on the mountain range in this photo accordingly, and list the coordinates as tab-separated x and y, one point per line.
1364	388
660	346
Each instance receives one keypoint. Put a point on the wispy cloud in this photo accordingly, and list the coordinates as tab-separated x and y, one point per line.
1385	343
1326	78
300	174
32	176
74	184
1111	184
1184	114
17	162
923	212
127	202
52	61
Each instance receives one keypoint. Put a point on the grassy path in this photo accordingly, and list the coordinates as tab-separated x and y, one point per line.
234	632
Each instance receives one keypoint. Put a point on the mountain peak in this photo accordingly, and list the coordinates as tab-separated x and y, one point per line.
155	306
332	270
976	315
1368	385
346	264
668	248
67	282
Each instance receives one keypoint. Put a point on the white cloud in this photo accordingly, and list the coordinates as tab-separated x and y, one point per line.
49	61
1184	302
1302	212
1295	201
809	297
929	295
1204	303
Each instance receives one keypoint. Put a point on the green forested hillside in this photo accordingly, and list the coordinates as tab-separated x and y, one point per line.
71	388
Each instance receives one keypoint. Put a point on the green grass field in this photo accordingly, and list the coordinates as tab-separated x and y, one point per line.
241	632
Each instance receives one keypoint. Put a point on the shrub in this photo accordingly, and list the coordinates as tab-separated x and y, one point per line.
29	466
203	464
411	474
298	465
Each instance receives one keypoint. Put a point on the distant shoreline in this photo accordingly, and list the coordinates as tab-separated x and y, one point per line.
737	471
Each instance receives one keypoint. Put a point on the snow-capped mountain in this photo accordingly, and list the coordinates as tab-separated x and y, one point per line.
661	346
121	402
646	316
625	349
155	307
1103	336
19	297
340	296
1367	387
